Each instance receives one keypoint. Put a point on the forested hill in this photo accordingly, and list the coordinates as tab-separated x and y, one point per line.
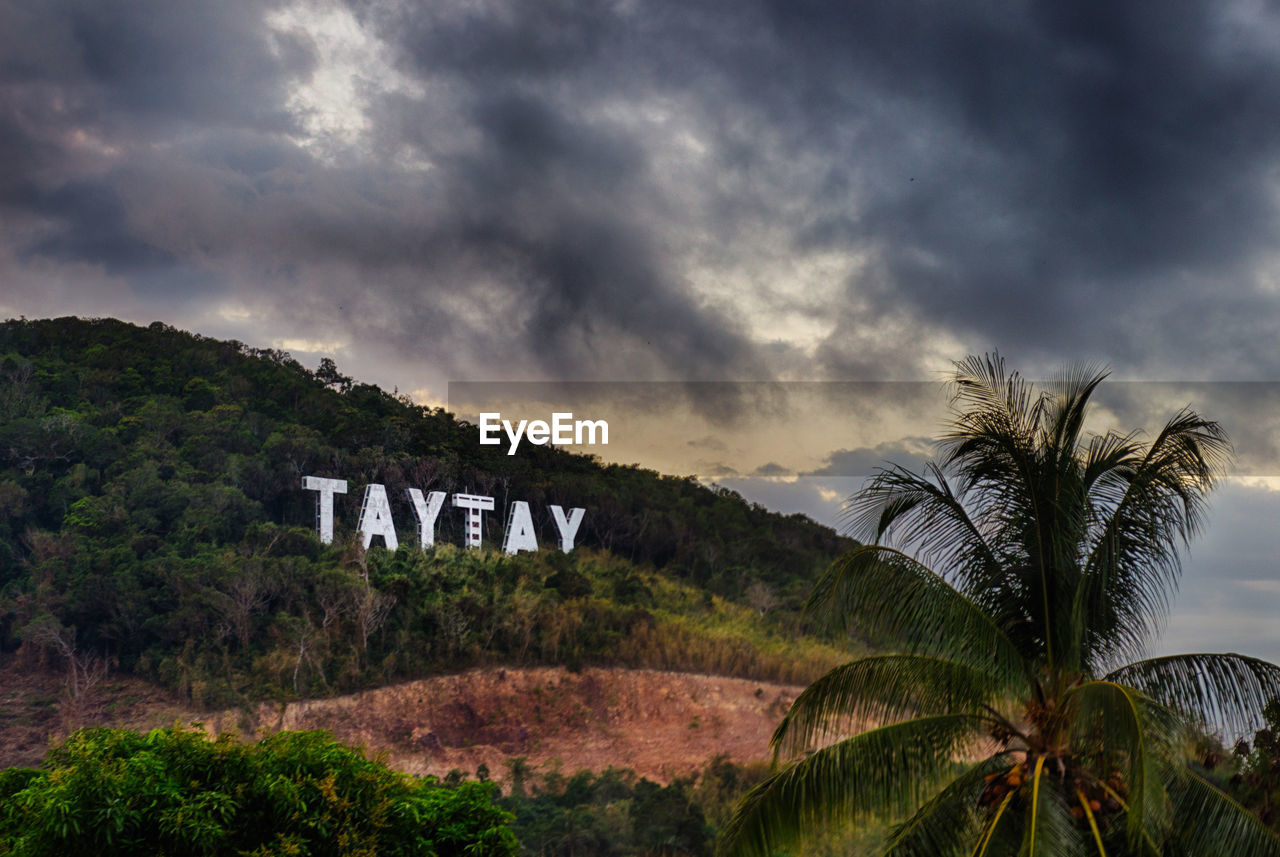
152	519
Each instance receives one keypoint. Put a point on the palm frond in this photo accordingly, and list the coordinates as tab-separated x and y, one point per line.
1015	451
882	771
1116	727
1050	831
895	600
948	823
1208	822
932	519
1133	564
1094	830
990	444
1108	461
1001	833
878	689
1223	691
1074	385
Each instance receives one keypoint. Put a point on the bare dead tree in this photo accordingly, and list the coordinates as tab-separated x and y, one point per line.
355	554
307	635
761	597
85	668
242	596
335	602
424	473
454	624
371	611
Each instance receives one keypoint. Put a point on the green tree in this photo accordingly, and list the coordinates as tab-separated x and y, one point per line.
175	792
667	823
1011	582
1257	786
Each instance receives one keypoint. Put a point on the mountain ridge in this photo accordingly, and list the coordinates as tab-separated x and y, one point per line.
153	523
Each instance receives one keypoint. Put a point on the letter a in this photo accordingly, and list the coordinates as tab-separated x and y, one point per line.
520	534
375	517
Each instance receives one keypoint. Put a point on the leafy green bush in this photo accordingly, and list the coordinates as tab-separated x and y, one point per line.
175	792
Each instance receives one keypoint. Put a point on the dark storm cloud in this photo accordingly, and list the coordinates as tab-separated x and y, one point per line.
93	229
910	452
94	96
1053	180
1248	412
546	200
1058	180
1065	175
114	65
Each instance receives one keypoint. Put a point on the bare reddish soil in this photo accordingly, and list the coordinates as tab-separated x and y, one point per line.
660	724
35	709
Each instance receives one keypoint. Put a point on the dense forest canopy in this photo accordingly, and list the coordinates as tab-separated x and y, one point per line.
152	520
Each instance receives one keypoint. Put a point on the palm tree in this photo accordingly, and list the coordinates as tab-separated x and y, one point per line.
1015	579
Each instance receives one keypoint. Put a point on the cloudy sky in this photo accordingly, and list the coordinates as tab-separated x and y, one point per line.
789	196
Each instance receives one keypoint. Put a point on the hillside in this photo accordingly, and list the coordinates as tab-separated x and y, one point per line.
662	725
153	524
600	761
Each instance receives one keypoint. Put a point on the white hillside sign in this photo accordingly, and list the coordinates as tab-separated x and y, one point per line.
375	516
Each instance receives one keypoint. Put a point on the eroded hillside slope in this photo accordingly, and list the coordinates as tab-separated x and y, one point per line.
662	725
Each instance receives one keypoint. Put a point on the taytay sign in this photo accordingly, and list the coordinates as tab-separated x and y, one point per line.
375	516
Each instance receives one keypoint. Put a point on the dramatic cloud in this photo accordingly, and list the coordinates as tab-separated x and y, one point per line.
659	190
671	191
